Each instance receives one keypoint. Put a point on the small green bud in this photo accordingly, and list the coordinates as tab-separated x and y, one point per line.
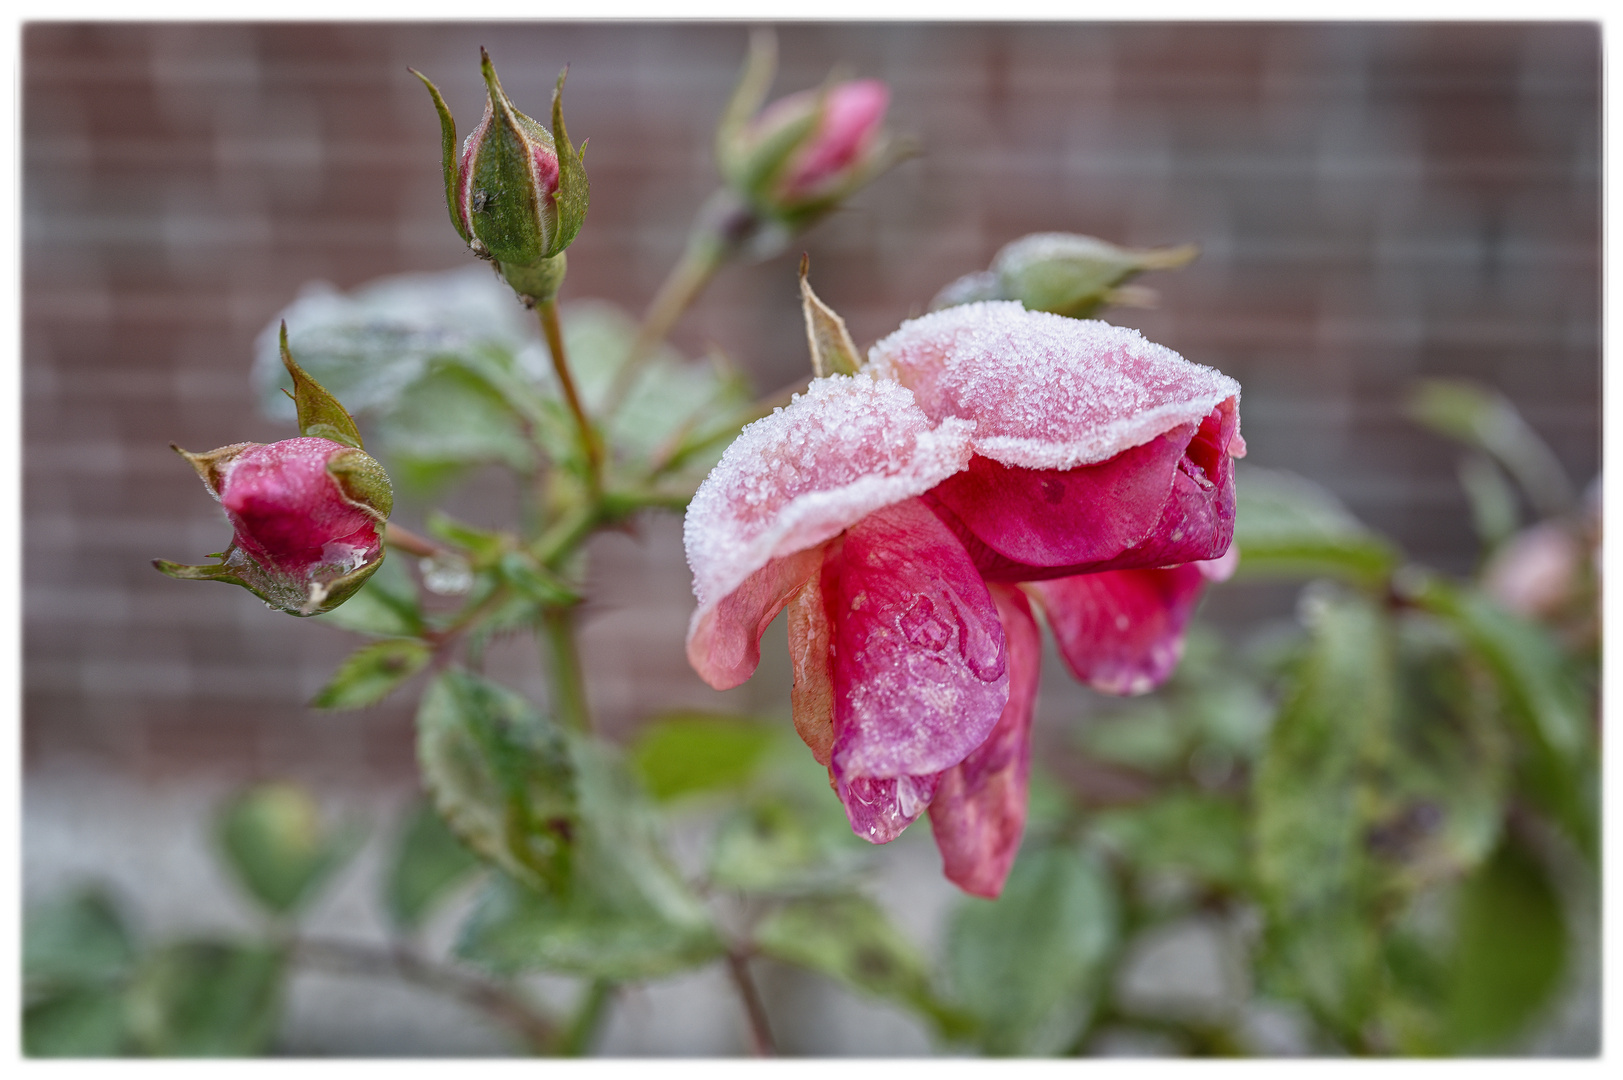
517	192
1063	273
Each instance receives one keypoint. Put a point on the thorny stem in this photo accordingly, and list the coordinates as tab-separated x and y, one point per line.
547	310
760	1032
539	1032
556	626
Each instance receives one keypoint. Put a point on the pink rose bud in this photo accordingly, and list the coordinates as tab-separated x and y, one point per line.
308	515
804	153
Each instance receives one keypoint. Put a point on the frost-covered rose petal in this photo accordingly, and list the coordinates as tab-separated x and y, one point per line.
916	658
792	480
1045	391
979	809
1121	631
1167	501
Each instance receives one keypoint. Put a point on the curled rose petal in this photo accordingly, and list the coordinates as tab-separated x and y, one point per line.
916	656
979	809
1170	500
1121	631
790	482
1046	392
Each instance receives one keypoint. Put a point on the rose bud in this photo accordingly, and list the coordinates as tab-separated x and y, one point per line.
308	515
796	159
1065	274
517	192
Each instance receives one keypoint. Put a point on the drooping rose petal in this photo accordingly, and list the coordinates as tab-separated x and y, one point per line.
917	657
790	481
979	809
1046	392
1121	631
1170	500
879	808
811	698
724	642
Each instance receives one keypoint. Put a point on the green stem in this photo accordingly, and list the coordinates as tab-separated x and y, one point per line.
577	1040
565	535
704	255
547	310
556	628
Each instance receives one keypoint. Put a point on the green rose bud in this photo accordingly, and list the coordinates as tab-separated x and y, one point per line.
517	193
1063	273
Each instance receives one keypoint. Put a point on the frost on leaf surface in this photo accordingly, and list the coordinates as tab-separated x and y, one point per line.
1045	391
845	448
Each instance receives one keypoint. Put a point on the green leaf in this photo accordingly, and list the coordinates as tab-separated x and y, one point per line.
624	913
850	938
1182	831
370	345
1494	512
429	862
776	844
1481	417
453	416
669	395
535	581
372	673
1311	804
1442	790
1025	964
1544	696
682	753
275	843
76	1023
207	999
501	774
484	546
1536	676
1509	953
1287	526
81	940
320	415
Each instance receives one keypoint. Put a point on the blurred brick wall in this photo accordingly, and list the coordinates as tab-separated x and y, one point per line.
1374	203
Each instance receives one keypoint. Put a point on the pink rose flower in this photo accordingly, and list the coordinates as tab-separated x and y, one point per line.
894	513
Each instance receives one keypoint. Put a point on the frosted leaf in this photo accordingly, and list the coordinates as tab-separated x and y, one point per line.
369	345
845	448
1045	391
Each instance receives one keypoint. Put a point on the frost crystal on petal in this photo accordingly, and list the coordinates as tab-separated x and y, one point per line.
1045	391
845	448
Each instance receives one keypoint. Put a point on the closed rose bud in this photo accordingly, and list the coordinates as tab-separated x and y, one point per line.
517	192
308	516
794	160
842	133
